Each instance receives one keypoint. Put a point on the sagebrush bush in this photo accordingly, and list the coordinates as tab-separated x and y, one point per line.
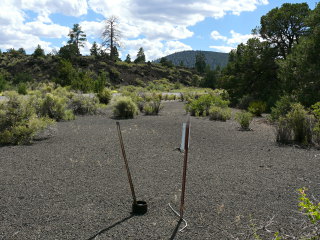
244	119
19	122
104	96
300	123
201	106
296	126
55	107
222	93
84	104
124	107
220	114
162	85
152	107
257	108
316	130
284	131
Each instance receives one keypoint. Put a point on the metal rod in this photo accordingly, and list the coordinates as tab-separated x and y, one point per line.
184	175
126	163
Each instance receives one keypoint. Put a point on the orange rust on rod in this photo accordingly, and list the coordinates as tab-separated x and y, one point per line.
184	175
126	163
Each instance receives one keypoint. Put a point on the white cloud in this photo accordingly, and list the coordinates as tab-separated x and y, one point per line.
45	30
91	28
16	39
74	8
170	19
225	49
16	31
217	36
237	38
232	42
159	24
154	49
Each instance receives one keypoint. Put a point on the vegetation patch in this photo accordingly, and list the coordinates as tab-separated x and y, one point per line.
219	114
244	118
124	107
19	122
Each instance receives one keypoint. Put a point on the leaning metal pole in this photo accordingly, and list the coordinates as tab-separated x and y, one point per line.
126	164
184	175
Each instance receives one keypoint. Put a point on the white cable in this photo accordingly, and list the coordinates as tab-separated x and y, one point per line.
186	224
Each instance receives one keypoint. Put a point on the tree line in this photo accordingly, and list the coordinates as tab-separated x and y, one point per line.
111	37
282	59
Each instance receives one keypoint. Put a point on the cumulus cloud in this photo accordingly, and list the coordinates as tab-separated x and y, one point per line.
156	21
169	19
154	49
217	36
232	42
237	38
179	12
45	30
16	31
74	8
225	49
160	25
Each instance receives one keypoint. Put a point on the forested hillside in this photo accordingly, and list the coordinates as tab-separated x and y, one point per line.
188	58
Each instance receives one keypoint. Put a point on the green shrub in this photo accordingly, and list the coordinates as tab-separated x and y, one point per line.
104	96
22	77
316	130
22	88
220	92
152	107
296	126
18	120
55	107
84	104
162	85
257	108
316	110
220	114
284	131
100	83
83	82
201	106
310	209
124	107
177	85
138	82
300	124
3	83
114	74
244	119
66	73
282	107
245	101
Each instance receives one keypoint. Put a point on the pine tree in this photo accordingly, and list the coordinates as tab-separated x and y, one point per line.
77	36
141	58
38	52
94	50
128	59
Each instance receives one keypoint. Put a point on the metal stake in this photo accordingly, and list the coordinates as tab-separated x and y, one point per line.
126	164
184	175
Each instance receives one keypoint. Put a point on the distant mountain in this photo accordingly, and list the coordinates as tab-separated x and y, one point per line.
188	58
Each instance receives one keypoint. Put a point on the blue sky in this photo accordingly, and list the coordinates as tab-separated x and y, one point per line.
161	27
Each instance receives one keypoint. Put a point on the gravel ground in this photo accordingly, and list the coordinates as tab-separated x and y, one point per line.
73	185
